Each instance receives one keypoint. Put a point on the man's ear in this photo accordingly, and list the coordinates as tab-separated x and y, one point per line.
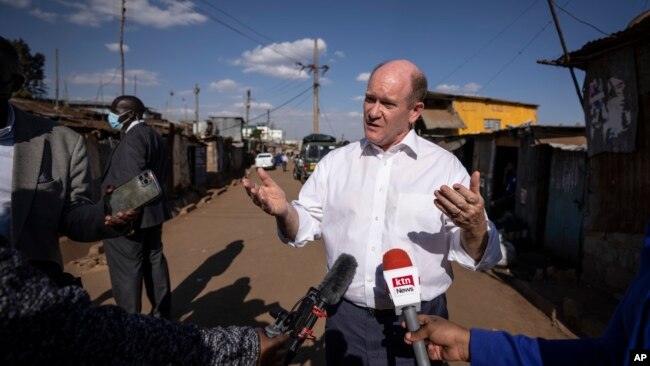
17	81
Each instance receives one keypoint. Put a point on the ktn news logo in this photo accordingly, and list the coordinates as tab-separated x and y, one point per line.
404	284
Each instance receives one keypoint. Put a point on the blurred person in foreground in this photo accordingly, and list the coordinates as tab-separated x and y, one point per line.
45	182
42	323
138	257
629	329
392	189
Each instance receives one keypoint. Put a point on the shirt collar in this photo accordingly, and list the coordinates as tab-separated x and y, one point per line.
137	121
409	145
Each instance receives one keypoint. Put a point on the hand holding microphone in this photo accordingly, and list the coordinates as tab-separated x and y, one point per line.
298	322
403	283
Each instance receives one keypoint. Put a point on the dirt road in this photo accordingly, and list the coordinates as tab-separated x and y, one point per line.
228	267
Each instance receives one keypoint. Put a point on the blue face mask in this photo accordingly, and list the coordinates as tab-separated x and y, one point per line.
114	121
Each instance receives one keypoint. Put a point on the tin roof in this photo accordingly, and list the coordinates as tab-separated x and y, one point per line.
638	30
441	118
451	97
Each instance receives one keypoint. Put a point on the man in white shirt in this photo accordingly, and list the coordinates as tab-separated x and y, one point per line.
391	189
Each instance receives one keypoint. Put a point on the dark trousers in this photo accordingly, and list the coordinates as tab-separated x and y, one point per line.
136	259
360	336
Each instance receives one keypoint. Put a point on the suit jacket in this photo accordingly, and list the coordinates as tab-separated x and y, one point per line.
139	149
51	189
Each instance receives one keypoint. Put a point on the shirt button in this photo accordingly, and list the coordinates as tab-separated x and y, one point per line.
376	218
369	279
372	249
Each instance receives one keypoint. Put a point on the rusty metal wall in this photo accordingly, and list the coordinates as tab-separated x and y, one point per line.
532	187
562	234
619	199
483	161
619	187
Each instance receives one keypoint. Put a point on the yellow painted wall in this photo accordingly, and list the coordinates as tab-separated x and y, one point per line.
474	113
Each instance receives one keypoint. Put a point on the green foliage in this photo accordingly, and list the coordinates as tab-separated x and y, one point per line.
32	69
256	134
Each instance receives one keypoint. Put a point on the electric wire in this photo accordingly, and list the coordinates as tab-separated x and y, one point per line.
504	67
281	105
241	33
495	37
581	21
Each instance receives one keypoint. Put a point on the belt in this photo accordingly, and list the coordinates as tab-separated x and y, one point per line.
371	311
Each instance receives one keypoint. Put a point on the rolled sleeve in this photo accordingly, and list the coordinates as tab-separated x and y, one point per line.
490	258
308	228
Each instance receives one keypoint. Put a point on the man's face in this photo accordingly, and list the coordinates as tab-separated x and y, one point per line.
387	111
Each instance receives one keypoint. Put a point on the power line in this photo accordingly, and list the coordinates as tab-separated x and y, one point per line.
281	105
582	21
516	55
241	33
495	37
519	52
320	109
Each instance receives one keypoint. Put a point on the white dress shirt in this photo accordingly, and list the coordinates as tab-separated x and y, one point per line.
363	201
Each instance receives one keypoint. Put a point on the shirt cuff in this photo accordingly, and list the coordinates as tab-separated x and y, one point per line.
490	258
305	232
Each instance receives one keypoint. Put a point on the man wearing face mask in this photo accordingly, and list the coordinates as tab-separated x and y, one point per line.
45	180
138	257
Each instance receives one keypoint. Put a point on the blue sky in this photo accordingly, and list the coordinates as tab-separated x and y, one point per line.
486	48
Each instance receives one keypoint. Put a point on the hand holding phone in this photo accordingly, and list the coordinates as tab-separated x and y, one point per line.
132	195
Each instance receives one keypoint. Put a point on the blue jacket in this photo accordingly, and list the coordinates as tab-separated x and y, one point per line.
629	329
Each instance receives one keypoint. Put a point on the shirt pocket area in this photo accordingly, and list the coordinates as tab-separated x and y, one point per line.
419	219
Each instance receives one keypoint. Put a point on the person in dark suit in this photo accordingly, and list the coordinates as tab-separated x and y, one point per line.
45	182
138	257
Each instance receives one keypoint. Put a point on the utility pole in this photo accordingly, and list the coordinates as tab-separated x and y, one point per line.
56	71
122	41
196	98
185	109
268	125
171	108
566	51
248	104
315	69
66	97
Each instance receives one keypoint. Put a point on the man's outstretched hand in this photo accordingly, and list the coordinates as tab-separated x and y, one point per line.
268	196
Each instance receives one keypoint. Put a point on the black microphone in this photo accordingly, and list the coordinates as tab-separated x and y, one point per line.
301	319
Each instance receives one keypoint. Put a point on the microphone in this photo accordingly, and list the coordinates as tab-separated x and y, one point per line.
301	319
404	289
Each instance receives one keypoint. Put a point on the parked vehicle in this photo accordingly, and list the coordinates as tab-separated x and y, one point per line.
314	148
264	160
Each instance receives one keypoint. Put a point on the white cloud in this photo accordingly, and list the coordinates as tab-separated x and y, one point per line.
171	13
278	59
113	77
339	54
354	114
468	88
364	76
115	47
225	85
472	87
359	97
17	3
43	15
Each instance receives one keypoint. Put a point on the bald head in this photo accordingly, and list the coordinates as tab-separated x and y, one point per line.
419	83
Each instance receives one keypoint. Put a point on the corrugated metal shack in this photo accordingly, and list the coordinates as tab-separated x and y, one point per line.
616	95
188	152
544	157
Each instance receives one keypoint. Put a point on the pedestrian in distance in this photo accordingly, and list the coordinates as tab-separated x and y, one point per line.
285	160
45	188
391	189
138	257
